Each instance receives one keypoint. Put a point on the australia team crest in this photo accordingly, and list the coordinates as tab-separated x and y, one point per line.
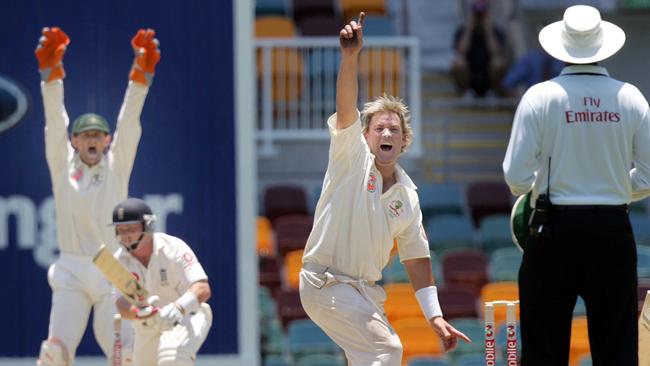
395	208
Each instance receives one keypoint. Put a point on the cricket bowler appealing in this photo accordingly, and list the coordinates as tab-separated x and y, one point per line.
90	175
367	202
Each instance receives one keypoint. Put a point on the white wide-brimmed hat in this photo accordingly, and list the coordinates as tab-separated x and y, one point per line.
581	37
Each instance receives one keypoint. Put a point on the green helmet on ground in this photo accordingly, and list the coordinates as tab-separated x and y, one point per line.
519	219
90	122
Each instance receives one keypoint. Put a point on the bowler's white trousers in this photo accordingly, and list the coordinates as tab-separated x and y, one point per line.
351	312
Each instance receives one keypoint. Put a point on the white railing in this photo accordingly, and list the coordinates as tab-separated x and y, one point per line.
297	84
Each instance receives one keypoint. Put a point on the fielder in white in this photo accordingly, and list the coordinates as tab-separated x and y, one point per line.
367	200
90	175
167	268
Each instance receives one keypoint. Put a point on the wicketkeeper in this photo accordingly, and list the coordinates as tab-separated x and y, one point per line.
90	175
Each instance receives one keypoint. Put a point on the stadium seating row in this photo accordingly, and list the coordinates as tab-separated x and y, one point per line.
476	200
455	216
467	276
321	17
461	263
303	339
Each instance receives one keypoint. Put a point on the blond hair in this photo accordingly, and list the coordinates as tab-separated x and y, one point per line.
389	104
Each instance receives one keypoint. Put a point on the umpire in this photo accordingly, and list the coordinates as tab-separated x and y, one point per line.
576	138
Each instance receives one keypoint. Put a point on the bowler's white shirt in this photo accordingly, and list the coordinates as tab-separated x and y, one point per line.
172	268
594	127
354	223
85	196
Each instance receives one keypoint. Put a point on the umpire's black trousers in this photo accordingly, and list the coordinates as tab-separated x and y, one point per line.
587	251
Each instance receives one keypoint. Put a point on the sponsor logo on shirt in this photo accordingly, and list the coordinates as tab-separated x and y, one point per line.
372	182
163	277
189	259
395	208
591	115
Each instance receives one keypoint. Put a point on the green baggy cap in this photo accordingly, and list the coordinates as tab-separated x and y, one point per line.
90	122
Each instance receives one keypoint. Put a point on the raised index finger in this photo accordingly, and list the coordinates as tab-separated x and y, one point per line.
362	16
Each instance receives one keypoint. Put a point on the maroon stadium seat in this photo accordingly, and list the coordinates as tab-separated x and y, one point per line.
306	8
318	25
282	200
291	232
270	274
465	268
457	302
488	198
289	306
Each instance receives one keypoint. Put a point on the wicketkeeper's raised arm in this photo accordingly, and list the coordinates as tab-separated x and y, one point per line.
49	54
347	85
128	130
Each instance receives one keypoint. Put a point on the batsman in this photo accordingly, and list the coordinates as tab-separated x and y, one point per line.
90	174
170	329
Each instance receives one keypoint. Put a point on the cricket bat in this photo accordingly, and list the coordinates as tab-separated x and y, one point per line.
644	333
120	277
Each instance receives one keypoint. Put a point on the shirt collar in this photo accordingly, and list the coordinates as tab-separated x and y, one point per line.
80	163
403	178
157	244
584	69
157	247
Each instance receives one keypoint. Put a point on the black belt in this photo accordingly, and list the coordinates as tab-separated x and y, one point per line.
590	207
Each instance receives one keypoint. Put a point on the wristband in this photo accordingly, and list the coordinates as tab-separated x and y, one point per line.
55	72
188	303
140	76
428	299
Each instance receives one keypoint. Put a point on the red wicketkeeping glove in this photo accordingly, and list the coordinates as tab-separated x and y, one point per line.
147	56
49	53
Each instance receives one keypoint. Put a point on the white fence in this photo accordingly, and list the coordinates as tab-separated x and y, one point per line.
297	84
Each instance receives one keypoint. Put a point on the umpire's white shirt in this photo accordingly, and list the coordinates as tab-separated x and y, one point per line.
594	127
172	268
85	196
354	223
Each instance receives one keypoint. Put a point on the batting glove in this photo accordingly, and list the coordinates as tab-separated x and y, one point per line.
147	55
49	53
147	311
169	316
146	316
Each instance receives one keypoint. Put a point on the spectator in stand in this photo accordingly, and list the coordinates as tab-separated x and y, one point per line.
479	62
533	67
